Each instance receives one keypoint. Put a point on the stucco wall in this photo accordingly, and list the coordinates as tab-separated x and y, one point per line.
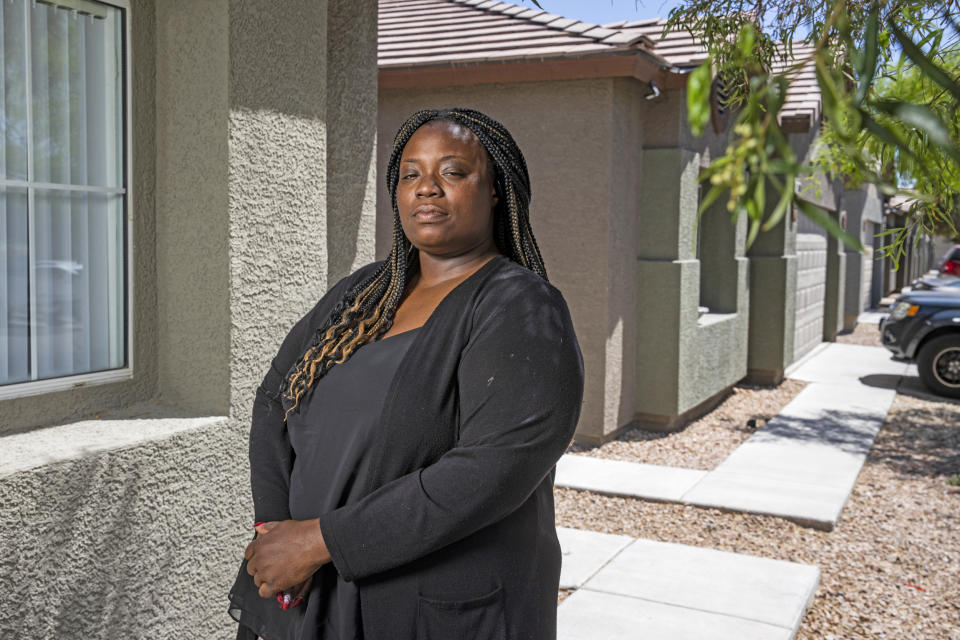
685	361
569	157
134	542
143	539
351	136
278	187
668	279
773	286
624	232
191	199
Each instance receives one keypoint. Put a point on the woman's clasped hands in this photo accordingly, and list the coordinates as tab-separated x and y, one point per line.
283	558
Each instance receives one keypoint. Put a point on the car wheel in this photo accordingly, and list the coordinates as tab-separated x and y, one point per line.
939	365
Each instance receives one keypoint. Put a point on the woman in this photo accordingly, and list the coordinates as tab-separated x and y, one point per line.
404	438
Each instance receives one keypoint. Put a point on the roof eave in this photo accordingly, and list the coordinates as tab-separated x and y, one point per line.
635	63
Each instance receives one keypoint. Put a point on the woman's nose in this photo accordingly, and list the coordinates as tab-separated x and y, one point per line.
428	186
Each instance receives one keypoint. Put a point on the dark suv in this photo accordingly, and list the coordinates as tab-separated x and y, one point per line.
925	326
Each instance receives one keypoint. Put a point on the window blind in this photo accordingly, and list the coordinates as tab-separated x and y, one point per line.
62	258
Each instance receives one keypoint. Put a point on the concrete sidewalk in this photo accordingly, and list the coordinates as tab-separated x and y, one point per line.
676	592
802	466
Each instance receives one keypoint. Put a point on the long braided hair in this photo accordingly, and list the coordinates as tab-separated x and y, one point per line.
366	310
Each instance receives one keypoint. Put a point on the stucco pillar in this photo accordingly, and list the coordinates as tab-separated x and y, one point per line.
351	117
864	214
773	285
668	279
836	283
278	187
192	215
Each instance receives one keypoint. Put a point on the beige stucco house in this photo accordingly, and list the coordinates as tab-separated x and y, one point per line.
213	172
669	316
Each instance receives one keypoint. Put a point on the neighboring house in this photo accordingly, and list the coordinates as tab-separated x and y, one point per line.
179	183
669	316
922	253
864	282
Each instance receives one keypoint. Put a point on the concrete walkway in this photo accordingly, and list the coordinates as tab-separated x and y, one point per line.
676	592
802	466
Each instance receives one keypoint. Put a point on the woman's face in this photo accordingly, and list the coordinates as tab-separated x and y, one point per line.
445	190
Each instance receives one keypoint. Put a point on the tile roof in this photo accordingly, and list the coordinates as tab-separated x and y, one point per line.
681	50
420	33
803	95
677	49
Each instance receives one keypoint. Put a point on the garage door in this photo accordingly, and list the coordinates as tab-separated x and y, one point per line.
811	289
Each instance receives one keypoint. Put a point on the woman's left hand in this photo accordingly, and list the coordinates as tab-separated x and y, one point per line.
286	555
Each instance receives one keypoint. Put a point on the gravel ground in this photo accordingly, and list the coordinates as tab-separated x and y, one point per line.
704	443
865	334
891	568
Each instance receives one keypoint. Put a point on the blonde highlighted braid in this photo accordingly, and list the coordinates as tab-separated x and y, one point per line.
366	311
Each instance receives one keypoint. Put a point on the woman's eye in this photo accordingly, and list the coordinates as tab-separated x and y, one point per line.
408	176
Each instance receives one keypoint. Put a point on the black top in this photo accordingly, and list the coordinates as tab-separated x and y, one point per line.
454	535
331	436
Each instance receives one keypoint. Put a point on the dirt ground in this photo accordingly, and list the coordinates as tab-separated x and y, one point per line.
705	442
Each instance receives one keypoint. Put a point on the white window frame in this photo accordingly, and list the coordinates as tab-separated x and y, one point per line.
49	385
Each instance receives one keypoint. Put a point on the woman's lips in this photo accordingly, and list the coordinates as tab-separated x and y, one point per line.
429	214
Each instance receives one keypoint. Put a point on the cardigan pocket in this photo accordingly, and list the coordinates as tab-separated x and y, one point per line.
475	619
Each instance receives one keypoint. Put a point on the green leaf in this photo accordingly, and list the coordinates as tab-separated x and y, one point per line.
760	194
751	206
778	93
929	68
829	94
887	135
868	60
921	117
830	225
752	233
786	197
887	232
715	192
746	40
698	97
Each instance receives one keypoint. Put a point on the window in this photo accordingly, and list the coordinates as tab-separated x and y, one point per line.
63	194
717	253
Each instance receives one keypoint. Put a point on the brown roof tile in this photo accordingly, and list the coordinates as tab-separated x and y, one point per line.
681	49
436	32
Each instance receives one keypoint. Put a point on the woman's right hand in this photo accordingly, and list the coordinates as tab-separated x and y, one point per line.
298	592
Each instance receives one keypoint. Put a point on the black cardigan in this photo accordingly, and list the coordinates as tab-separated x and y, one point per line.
455	537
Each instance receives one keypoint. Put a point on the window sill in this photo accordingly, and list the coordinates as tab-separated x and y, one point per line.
39	387
708	319
135	426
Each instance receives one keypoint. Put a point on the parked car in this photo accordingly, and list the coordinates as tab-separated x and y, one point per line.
924	326
951	262
935	282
